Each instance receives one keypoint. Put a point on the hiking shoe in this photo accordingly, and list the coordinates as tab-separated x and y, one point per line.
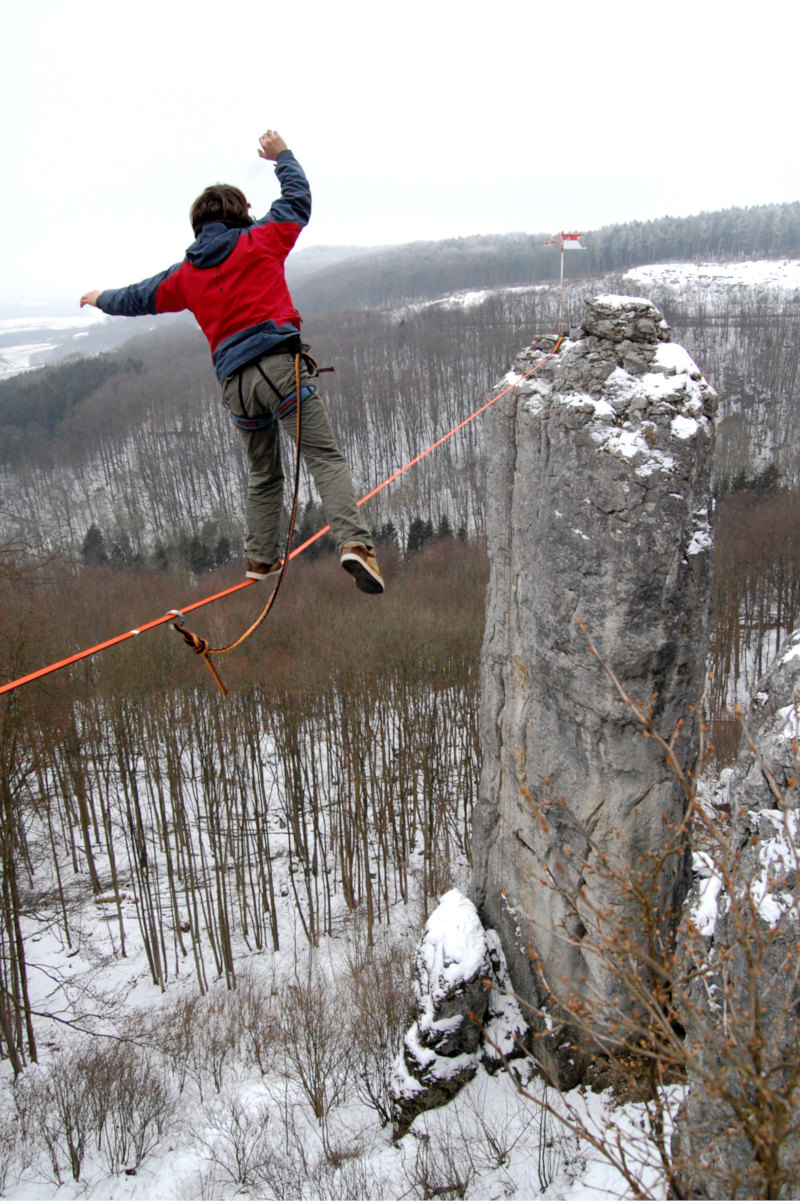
360	562
260	572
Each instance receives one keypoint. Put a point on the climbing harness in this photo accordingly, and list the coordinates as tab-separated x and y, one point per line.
177	617
285	407
286	402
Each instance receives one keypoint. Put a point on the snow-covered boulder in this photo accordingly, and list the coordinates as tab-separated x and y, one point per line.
459	980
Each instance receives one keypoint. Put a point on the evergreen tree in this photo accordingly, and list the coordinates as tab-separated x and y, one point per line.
223	551
420	531
387	536
161	557
93	548
198	555
122	553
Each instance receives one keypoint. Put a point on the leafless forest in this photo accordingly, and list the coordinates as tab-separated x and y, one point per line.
340	772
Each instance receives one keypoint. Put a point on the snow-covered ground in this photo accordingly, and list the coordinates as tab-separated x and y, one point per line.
30	341
467	299
721	281
233	1128
717	282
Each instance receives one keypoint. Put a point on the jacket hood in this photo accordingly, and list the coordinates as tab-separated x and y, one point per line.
213	244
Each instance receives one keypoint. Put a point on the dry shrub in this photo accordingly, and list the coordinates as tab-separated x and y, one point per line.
315	1039
199	1037
9	1138
257	1148
174	1033
134	1104
443	1167
255	999
381	1005
56	1108
109	1099
237	1144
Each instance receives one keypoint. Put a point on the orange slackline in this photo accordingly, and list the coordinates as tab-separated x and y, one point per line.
170	616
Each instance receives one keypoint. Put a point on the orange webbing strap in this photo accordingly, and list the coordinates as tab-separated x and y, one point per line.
201	646
170	616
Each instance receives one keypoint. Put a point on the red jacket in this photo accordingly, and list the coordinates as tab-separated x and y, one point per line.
232	279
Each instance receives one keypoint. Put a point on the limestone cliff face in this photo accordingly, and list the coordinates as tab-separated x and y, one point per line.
598	510
737	1135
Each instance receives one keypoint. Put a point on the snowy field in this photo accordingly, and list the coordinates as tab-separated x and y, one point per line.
239	1123
721	281
31	341
717	281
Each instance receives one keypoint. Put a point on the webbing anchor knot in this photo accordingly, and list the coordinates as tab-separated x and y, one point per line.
199	645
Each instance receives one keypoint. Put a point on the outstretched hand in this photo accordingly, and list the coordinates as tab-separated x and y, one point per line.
90	298
270	145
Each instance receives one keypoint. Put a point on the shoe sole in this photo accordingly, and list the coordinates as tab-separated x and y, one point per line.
365	579
263	576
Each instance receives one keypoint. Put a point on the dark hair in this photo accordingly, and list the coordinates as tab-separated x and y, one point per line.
220	203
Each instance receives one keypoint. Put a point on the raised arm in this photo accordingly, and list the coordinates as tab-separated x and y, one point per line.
294	204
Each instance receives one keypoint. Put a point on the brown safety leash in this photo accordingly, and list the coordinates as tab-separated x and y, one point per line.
197	643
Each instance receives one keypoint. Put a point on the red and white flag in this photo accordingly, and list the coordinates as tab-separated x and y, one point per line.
567	242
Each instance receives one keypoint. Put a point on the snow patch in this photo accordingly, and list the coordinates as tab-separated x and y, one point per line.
702	539
453	946
620	302
792	652
629	443
672	358
684	428
778	858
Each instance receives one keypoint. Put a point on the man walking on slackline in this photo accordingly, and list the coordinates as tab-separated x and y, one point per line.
232	279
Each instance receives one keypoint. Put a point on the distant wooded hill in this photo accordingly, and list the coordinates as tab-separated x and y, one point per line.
424	270
136	445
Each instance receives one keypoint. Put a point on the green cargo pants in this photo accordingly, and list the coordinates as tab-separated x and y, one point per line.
248	394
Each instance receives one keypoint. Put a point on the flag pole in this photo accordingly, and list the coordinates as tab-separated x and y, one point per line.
561	291
560	240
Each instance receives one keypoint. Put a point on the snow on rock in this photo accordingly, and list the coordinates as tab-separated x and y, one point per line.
451	979
702	538
763	792
644	393
505	1029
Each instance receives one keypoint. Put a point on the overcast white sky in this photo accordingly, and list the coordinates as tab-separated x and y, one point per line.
418	120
